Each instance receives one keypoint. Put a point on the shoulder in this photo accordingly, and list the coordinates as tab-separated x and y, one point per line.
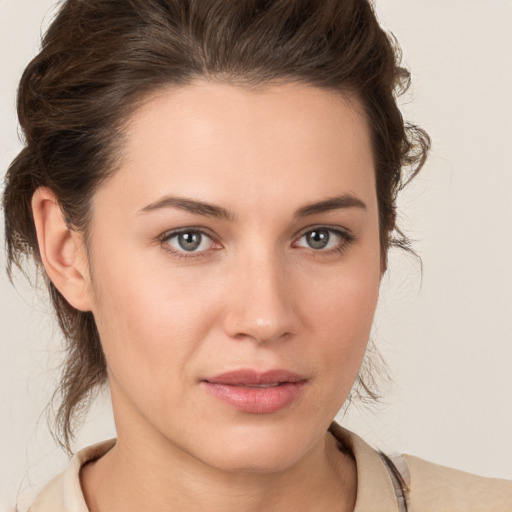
438	488
51	497
385	483
64	492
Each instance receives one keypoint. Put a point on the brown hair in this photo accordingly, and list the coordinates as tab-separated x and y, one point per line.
100	58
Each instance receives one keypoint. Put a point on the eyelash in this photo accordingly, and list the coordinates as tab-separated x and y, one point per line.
184	254
346	237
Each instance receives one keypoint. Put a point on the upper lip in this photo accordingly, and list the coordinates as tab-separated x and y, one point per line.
248	377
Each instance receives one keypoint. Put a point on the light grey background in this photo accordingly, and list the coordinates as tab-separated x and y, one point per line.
446	337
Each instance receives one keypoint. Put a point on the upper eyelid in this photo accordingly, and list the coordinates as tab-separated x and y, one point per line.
344	236
335	229
212	235
298	234
172	232
177	253
164	241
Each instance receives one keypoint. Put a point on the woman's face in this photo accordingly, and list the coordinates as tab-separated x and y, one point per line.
235	270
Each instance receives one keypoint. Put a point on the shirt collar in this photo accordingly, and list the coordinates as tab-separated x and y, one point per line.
375	490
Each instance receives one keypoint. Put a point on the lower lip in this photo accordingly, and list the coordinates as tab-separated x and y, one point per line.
256	400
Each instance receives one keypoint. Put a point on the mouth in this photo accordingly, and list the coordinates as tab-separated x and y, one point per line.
256	392
272	385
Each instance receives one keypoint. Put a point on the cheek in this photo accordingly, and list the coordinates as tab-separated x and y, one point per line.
150	323
341	312
346	327
346	296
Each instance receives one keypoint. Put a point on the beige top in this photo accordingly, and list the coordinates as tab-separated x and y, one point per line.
432	488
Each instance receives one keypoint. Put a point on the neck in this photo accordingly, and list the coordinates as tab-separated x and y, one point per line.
132	477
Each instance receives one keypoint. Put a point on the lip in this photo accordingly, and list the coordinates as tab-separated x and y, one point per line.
256	392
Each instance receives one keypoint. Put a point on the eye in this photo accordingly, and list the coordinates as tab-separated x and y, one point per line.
187	241
324	239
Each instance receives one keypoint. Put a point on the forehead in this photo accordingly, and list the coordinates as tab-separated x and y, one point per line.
220	142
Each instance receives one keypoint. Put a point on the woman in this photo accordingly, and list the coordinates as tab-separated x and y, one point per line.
210	188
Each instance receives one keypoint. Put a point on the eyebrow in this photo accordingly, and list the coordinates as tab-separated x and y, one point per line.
189	205
211	210
332	203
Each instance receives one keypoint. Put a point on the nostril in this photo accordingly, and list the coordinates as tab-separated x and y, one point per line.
270	338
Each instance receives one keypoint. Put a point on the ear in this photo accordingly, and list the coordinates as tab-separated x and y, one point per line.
62	250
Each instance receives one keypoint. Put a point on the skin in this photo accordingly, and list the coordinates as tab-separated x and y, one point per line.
255	295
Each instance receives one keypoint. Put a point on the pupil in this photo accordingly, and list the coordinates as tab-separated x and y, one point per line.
189	241
318	239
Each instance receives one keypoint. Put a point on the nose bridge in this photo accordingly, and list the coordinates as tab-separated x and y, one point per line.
260	306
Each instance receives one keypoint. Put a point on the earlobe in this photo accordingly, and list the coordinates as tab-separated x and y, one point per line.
62	250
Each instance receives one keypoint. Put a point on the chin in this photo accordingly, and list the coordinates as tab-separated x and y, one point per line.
255	459
257	449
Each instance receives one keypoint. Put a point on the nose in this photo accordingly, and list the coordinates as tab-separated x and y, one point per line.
260	305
